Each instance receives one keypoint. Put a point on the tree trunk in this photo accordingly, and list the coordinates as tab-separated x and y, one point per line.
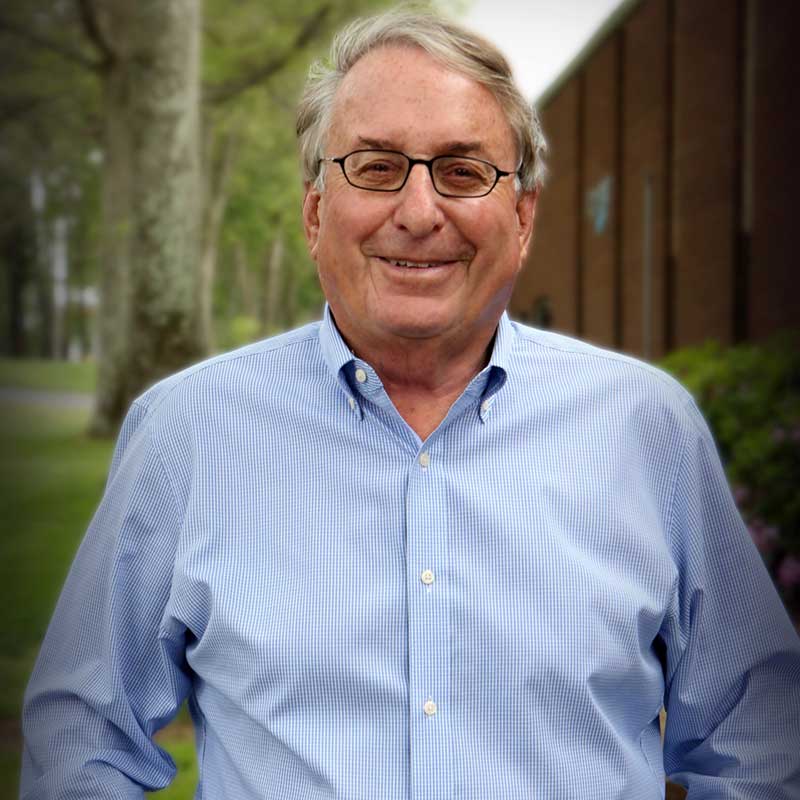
59	260
16	255
111	395
43	272
149	323
78	327
272	286
217	175
247	299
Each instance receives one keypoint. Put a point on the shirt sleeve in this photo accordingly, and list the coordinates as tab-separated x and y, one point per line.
111	670
733	657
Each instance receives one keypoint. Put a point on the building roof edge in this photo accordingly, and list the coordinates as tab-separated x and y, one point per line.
611	23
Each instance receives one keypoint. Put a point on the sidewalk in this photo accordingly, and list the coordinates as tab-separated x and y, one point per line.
12	394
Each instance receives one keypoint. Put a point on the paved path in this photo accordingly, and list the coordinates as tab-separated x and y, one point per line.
13	394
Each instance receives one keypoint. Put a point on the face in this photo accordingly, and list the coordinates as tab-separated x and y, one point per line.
398	98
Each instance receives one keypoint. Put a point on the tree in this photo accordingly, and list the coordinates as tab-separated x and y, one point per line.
255	57
47	126
149	65
171	143
145	57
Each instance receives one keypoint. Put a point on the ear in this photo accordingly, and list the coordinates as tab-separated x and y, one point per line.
311	209
526	211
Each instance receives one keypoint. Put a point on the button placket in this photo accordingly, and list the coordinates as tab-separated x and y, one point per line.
428	625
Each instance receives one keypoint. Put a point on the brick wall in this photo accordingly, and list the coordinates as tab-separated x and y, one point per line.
774	277
704	162
551	270
600	195
646	98
668	218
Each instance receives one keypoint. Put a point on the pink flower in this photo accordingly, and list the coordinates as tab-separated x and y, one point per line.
740	494
778	435
789	572
764	536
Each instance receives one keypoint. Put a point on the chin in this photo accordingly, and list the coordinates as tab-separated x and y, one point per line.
414	327
421	318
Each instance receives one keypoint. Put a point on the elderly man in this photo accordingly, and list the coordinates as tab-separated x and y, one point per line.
417	550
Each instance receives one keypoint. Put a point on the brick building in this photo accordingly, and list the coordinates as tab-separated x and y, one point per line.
668	217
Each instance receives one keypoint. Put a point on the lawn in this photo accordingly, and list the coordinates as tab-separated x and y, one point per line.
51	478
63	376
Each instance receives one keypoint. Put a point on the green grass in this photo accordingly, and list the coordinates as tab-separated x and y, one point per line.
181	748
56	376
51	479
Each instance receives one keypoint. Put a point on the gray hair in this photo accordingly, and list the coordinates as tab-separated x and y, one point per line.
449	43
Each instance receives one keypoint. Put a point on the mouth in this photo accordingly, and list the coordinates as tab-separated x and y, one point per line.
399	262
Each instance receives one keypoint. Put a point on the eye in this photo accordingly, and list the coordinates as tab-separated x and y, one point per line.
375	169
377	166
464	173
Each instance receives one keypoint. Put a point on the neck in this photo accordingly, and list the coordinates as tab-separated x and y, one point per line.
424	377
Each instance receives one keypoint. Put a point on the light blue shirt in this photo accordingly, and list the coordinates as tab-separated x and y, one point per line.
495	613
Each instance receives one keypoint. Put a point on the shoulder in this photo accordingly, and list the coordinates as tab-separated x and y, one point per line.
605	383
255	366
584	361
212	393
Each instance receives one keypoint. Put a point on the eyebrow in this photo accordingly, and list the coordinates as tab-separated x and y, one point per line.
454	147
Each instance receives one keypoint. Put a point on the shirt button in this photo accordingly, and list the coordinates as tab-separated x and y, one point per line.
429	708
427	577
361	376
485	406
351	403
424	459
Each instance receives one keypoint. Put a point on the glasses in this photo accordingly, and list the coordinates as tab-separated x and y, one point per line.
388	171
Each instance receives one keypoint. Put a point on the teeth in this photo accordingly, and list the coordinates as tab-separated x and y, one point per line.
415	264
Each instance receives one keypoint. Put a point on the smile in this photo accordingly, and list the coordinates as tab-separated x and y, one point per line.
414	264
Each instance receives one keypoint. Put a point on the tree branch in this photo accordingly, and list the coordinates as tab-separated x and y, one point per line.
280	101
67	52
13	110
91	26
227	90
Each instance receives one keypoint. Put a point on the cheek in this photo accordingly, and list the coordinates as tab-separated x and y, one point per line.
344	228
338	253
496	235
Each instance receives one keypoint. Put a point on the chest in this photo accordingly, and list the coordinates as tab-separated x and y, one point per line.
346	560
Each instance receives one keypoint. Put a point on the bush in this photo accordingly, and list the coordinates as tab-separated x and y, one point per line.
750	395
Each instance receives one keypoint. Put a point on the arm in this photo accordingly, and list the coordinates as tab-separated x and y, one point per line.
111	668
733	657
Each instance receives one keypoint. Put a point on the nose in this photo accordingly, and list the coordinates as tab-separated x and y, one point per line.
418	208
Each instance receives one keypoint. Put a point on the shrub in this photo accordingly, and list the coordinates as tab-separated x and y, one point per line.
750	395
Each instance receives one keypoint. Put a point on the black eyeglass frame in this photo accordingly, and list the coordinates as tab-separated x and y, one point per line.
428	162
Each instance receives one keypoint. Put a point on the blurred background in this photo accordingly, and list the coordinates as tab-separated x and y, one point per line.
150	202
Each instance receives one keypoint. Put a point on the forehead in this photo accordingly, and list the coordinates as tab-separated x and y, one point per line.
400	95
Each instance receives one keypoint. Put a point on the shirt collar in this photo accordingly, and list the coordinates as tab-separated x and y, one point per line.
338	355
503	340
496	371
334	350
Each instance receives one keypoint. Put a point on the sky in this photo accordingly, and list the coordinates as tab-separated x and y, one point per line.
540	37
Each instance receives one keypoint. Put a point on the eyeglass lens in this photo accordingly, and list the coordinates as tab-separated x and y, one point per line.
382	170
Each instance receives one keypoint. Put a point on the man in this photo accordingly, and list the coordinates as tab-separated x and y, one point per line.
416	550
